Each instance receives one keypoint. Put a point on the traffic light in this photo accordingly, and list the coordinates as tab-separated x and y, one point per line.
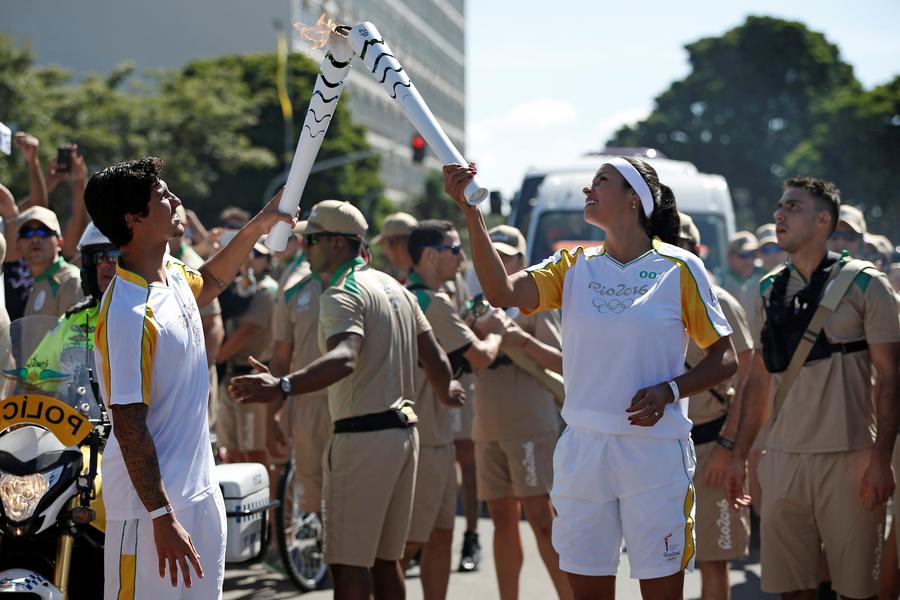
418	147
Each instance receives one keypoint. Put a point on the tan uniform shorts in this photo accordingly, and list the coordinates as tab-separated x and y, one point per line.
517	468
722	533
434	506
811	501
240	427
367	495
307	424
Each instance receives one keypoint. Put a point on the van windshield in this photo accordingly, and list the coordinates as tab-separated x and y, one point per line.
557	229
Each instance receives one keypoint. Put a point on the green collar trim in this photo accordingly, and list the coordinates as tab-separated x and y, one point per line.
346	268
52	270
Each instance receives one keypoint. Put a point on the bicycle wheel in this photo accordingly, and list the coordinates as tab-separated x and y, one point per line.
299	535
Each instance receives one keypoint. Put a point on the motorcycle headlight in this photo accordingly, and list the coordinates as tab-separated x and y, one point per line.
22	493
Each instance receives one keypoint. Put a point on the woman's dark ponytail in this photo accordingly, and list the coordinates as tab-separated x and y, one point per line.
663	222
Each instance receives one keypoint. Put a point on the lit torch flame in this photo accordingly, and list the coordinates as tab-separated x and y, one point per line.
316	35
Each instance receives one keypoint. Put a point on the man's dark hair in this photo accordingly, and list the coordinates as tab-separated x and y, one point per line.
427	233
826	194
119	190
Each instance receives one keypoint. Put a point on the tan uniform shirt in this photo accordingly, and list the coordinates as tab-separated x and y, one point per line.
372	304
55	290
296	321
436	419
830	406
512	404
259	313
704	407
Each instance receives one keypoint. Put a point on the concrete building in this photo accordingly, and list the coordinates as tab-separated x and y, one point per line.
426	35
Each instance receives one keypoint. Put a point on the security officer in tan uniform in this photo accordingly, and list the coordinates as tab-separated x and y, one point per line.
826	469
437	255
242	430
393	241
306	422
741	277
372	333
515	431
722	533
57	284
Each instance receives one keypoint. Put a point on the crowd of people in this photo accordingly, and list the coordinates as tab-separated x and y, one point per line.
557	392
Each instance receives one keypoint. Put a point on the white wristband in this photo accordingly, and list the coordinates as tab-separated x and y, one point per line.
161	511
676	395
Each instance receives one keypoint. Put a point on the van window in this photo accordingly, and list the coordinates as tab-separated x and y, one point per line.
556	226
526	201
713	235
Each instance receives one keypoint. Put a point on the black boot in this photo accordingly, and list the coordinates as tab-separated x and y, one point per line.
471	553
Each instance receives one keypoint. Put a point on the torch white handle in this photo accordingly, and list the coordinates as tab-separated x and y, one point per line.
329	85
369	45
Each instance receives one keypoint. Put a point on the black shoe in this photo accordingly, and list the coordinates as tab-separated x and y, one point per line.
471	553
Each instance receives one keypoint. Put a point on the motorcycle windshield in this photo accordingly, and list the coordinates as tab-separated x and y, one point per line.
45	356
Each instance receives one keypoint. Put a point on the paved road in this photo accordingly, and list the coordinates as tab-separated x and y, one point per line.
259	583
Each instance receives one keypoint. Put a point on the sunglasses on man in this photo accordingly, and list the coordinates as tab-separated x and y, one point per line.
770	249
311	239
110	256
456	249
26	233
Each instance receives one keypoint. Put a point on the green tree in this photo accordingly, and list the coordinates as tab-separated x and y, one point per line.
856	146
753	95
216	123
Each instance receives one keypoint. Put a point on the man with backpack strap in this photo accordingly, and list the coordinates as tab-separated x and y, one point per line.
825	322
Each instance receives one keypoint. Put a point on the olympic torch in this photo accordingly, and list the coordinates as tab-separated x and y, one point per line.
329	85
369	46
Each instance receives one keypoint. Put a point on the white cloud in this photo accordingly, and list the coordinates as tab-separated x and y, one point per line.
613	122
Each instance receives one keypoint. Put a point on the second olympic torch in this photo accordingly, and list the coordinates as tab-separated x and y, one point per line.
329	84
369	46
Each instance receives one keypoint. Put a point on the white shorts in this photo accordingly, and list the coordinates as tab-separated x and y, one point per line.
131	567
609	486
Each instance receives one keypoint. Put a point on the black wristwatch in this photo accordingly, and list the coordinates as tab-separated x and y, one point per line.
725	442
285	384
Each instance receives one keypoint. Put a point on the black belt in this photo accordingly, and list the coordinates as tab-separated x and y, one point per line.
238	370
389	419
849	347
707	432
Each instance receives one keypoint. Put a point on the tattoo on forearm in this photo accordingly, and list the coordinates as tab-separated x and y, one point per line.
209	277
139	454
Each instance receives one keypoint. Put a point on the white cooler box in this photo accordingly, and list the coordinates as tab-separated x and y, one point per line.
245	489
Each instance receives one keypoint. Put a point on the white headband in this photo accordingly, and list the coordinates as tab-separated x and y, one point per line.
637	182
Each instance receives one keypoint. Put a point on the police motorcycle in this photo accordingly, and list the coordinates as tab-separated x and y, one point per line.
52	433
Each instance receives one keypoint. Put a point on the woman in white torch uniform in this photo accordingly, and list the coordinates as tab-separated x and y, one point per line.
624	465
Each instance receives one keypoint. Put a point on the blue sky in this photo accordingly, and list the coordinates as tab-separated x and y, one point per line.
544	86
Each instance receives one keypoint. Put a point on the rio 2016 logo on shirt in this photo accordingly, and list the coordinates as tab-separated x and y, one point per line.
616	298
648	274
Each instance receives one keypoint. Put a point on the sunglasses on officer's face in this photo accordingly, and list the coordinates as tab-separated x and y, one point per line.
745	255
26	233
846	236
110	256
456	249
314	238
770	249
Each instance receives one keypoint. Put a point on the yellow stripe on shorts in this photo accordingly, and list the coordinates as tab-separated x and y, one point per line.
688	553
127	573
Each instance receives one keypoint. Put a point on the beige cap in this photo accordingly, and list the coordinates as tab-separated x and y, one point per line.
765	234
742	241
41	215
508	240
334	216
853	217
881	243
688	229
399	223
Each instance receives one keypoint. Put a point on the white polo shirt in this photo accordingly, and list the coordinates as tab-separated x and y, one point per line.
149	348
624	328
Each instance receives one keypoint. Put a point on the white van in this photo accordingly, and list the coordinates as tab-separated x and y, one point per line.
548	208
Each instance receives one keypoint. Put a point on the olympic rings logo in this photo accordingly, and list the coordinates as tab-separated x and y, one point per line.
612	306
